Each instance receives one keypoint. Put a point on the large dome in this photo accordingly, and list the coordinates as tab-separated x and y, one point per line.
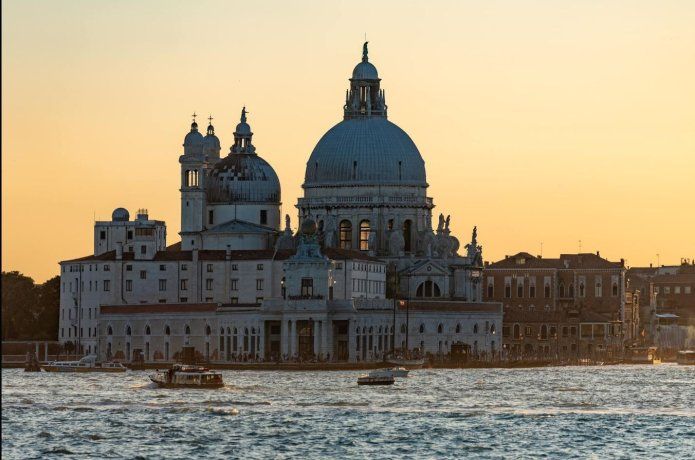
243	177
365	151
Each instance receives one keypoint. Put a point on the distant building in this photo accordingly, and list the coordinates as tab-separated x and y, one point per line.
568	307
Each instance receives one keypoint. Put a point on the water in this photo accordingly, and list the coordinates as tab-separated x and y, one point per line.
571	412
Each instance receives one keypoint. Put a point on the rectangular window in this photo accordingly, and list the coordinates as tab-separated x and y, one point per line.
143	249
183	299
184	285
234	285
129	268
259	267
532	291
259	284
107	268
143	274
208	284
264	217
107	285
128	285
162	285
208	299
677	290
307	287
162	300
235	267
259	300
184	267
234	300
519	288
162	268
209	268
507	291
102	235
667	289
686	290
528	331
211	217
339	266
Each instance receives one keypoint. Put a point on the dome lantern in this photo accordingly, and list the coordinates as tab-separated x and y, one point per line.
242	136
365	98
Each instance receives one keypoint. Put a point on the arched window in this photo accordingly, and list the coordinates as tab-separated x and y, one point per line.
407	225
544	332
109	331
458	328
615	289
128	331
187	331
357	331
571	290
422	328
147	330
208	331
167	330
517	331
428	289
440	328
492	329
364	235
475	328
402	328
345	234
561	289
581	289
380	329
221	331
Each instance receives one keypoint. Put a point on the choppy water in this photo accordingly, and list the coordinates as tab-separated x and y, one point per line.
571	412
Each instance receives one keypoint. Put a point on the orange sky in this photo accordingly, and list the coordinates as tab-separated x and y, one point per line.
539	121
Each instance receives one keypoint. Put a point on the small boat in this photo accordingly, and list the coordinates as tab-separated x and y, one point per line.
643	355
378	377
88	363
686	357
398	371
187	376
408	363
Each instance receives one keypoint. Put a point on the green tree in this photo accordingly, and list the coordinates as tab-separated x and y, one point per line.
18	300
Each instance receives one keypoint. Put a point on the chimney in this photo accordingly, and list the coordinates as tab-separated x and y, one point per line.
650	265
598	254
119	251
622	262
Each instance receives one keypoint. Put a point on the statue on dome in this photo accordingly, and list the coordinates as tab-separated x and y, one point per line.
440	226
287	223
446	223
365	51
243	114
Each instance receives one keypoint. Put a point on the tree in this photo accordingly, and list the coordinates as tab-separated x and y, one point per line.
29	311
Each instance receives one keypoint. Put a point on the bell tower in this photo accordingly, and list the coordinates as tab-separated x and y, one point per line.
193	167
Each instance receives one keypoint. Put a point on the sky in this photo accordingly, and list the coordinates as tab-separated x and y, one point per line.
548	124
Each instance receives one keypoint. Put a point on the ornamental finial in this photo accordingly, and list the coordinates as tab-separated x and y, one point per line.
365	52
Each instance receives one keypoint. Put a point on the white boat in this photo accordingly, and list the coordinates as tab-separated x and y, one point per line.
398	371
184	376
377	377
408	363
686	357
88	363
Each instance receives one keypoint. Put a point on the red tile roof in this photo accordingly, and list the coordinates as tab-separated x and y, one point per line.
565	261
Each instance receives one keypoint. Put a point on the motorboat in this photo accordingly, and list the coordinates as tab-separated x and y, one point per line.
187	376
377	377
398	371
87	363
686	357
643	355
407	363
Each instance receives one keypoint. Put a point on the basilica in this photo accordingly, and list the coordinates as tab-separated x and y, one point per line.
364	273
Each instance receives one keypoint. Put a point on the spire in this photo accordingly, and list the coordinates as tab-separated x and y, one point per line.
194	125
365	52
211	129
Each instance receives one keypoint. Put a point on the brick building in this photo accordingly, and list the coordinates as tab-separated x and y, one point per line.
566	308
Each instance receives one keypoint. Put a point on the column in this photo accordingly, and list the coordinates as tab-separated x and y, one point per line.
293	338
261	340
283	337
351	341
324	338
317	328
45	351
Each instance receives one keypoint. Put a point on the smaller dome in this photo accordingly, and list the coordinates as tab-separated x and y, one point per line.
243	129
120	215
212	141
365	70
309	227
